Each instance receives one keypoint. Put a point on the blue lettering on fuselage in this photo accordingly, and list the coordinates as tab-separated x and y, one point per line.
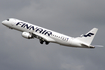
39	30
36	29
32	27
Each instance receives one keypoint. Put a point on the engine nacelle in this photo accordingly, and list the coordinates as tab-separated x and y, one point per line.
27	35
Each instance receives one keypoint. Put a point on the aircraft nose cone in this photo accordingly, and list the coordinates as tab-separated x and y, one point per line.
4	22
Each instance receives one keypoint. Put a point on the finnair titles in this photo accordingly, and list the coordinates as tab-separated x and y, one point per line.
30	31
32	27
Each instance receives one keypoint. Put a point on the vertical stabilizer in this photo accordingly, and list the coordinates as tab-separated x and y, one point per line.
88	37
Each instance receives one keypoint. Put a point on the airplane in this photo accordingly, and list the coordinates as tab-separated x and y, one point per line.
30	31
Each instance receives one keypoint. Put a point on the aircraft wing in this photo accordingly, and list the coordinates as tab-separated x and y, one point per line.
40	36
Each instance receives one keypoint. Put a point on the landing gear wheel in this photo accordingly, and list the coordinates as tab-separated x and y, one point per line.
41	42
46	43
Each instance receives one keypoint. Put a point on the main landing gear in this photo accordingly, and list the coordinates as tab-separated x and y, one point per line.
46	42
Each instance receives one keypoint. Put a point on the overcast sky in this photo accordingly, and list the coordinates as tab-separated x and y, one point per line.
70	17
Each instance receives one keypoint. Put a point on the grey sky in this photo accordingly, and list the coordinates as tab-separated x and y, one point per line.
70	17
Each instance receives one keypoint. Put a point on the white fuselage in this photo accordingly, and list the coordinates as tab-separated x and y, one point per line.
43	32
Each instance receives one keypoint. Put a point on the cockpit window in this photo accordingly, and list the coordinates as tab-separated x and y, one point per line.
7	19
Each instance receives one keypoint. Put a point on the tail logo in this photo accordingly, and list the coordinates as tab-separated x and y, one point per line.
88	35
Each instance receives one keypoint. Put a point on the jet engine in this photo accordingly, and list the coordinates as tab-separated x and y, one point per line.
27	35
